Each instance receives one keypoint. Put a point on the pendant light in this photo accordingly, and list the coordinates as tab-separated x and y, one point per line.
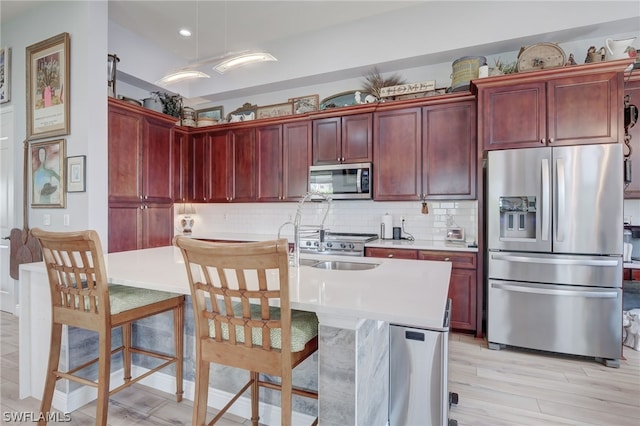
189	72
240	59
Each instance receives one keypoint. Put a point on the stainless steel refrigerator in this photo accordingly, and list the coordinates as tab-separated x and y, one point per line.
554	238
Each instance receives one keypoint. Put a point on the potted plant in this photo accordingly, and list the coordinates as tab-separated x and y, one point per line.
171	104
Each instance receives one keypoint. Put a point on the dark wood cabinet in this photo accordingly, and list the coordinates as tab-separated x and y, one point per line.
345	139
426	153
180	166
232	169
632	89
391	253
449	151
462	285
397	141
283	154
140	183
565	107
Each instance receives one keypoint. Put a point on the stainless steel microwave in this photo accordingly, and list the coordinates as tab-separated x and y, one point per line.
342	181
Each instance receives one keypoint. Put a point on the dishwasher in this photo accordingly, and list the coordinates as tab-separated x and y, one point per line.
418	363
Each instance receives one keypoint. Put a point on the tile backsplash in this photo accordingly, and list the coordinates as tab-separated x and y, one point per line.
345	216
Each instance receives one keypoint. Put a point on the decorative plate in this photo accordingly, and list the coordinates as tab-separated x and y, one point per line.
541	56
353	97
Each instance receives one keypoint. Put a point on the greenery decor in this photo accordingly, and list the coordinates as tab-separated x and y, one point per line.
171	104
374	82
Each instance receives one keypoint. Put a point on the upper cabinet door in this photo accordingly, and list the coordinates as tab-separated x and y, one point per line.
584	109
243	184
327	141
449	151
357	138
397	140
513	116
158	138
296	160
125	155
269	162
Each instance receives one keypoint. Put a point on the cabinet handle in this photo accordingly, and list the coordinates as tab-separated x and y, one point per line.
446	259
543	140
390	255
551	140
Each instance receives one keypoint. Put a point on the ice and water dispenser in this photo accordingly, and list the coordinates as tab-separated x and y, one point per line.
518	217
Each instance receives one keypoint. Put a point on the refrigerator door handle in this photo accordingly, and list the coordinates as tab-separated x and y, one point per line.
561	219
546	200
555	291
555	261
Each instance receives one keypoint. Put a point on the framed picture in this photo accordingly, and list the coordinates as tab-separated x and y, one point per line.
5	74
76	167
246	112
305	104
275	110
48	87
47	174
209	116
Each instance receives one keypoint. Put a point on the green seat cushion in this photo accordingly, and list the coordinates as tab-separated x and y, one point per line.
123	298
304	327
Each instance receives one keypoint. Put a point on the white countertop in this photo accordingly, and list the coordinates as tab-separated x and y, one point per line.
635	264
405	292
404	244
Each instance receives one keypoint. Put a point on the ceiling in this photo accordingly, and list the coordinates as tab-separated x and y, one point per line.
221	27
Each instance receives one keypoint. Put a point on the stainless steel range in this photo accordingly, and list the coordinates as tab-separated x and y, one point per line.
337	243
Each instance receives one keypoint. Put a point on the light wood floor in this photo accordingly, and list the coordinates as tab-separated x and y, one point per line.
507	387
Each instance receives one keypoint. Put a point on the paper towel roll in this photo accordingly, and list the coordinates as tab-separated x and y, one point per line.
387	221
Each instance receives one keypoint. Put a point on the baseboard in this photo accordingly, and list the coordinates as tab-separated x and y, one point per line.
269	414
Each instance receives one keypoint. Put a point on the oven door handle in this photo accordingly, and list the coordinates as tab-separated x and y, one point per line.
556	291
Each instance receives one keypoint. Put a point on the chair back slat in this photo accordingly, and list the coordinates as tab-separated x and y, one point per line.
250	280
77	273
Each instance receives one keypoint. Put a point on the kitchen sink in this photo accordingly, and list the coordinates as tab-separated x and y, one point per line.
344	266
308	262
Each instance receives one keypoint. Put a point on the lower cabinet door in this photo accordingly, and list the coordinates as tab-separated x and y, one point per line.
462	292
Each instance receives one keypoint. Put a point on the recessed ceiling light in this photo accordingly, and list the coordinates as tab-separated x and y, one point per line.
185	32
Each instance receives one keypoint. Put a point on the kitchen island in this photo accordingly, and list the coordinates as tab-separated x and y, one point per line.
354	309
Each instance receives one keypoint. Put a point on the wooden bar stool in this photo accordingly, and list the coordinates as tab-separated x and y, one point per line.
81	297
236	289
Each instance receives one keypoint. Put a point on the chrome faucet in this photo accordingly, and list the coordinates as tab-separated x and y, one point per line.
297	227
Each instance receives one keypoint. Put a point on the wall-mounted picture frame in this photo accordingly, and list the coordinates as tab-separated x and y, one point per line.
305	104
5	74
47	174
275	110
76	168
246	112
209	116
48	66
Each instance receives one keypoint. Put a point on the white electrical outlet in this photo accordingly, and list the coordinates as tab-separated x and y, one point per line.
46	219
66	220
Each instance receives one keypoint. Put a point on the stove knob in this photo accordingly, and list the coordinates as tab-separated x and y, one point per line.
351	246
308	243
329	245
315	244
343	245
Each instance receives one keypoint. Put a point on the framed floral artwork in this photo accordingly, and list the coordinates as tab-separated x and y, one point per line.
47	174
48	65
5	74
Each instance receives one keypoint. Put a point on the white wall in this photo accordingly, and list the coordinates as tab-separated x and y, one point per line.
86	23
